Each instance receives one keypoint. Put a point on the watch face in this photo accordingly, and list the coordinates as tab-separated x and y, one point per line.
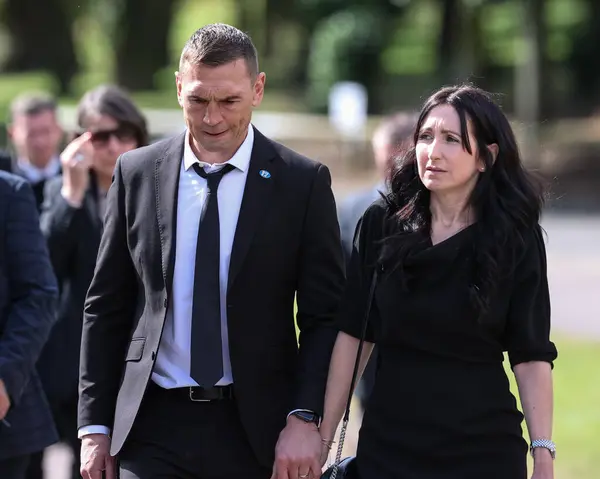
306	416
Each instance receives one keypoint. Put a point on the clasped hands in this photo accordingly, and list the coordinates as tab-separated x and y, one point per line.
301	452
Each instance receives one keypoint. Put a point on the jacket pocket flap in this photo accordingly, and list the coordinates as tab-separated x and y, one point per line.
136	348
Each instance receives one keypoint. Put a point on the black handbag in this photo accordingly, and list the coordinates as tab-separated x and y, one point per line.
345	468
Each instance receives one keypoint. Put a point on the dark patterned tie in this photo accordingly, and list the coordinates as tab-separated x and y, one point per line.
207	352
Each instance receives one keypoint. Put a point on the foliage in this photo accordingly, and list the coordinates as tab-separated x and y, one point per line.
345	47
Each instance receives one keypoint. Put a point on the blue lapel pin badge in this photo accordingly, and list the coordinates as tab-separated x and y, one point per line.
264	174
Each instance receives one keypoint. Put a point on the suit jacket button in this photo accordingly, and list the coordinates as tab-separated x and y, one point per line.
165	303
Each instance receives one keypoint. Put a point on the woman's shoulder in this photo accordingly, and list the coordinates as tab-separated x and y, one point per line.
375	218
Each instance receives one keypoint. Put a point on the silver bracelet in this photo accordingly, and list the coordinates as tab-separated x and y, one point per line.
546	444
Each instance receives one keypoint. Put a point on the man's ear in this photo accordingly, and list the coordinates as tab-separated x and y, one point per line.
494	151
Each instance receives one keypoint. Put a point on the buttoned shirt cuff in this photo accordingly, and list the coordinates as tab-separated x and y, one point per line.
84	431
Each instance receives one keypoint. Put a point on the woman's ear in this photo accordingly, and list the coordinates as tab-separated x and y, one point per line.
494	151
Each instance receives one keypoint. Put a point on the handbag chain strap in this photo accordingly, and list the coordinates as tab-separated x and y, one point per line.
363	333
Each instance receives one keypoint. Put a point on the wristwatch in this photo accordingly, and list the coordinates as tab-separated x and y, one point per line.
546	444
307	416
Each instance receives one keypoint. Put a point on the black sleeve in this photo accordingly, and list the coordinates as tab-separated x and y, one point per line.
319	289
61	224
362	266
528	323
108	315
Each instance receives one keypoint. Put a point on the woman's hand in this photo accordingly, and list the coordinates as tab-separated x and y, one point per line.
543	464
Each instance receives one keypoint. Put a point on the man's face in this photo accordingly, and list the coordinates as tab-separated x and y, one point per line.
217	104
36	137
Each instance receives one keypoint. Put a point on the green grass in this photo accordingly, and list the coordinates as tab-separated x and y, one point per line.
577	409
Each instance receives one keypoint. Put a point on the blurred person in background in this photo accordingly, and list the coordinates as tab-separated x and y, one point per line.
461	279
28	293
36	136
392	137
110	124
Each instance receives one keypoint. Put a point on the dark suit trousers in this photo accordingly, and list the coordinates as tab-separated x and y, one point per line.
14	468
173	437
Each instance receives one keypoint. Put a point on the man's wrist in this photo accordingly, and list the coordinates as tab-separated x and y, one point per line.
305	415
92	429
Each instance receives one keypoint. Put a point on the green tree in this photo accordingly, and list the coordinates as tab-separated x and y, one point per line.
41	38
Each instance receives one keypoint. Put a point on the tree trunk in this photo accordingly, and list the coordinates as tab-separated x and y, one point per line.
41	39
449	42
142	37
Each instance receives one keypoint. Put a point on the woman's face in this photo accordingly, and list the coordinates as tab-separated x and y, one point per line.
443	164
109	141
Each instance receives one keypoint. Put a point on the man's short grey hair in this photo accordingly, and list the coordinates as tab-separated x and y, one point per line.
397	130
218	44
32	103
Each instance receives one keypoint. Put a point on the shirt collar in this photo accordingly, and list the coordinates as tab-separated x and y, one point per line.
35	174
240	159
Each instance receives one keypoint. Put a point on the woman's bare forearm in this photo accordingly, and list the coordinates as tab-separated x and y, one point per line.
534	380
339	379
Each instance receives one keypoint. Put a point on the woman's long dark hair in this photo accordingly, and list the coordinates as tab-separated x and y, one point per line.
506	200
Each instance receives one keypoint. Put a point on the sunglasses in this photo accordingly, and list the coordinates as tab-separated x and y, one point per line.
102	137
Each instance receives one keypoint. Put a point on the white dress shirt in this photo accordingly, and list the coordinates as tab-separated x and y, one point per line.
172	367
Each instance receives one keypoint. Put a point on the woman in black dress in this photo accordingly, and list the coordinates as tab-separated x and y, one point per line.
461	279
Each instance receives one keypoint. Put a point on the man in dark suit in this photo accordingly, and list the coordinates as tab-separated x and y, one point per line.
190	365
36	136
28	293
391	138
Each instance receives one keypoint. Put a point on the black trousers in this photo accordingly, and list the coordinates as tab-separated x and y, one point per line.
175	438
65	418
14	468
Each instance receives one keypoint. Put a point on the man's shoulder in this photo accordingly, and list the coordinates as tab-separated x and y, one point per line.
355	204
10	182
140	158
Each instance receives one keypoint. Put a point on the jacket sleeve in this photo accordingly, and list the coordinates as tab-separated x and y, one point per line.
108	315
32	290
319	289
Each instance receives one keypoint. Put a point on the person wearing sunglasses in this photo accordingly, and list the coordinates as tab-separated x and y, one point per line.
109	124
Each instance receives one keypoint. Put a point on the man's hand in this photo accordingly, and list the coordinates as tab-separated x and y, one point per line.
4	400
298	451
95	457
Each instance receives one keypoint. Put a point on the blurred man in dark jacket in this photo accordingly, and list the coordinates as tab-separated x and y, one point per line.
28	293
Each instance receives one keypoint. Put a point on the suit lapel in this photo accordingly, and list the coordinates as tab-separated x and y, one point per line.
166	177
257	195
